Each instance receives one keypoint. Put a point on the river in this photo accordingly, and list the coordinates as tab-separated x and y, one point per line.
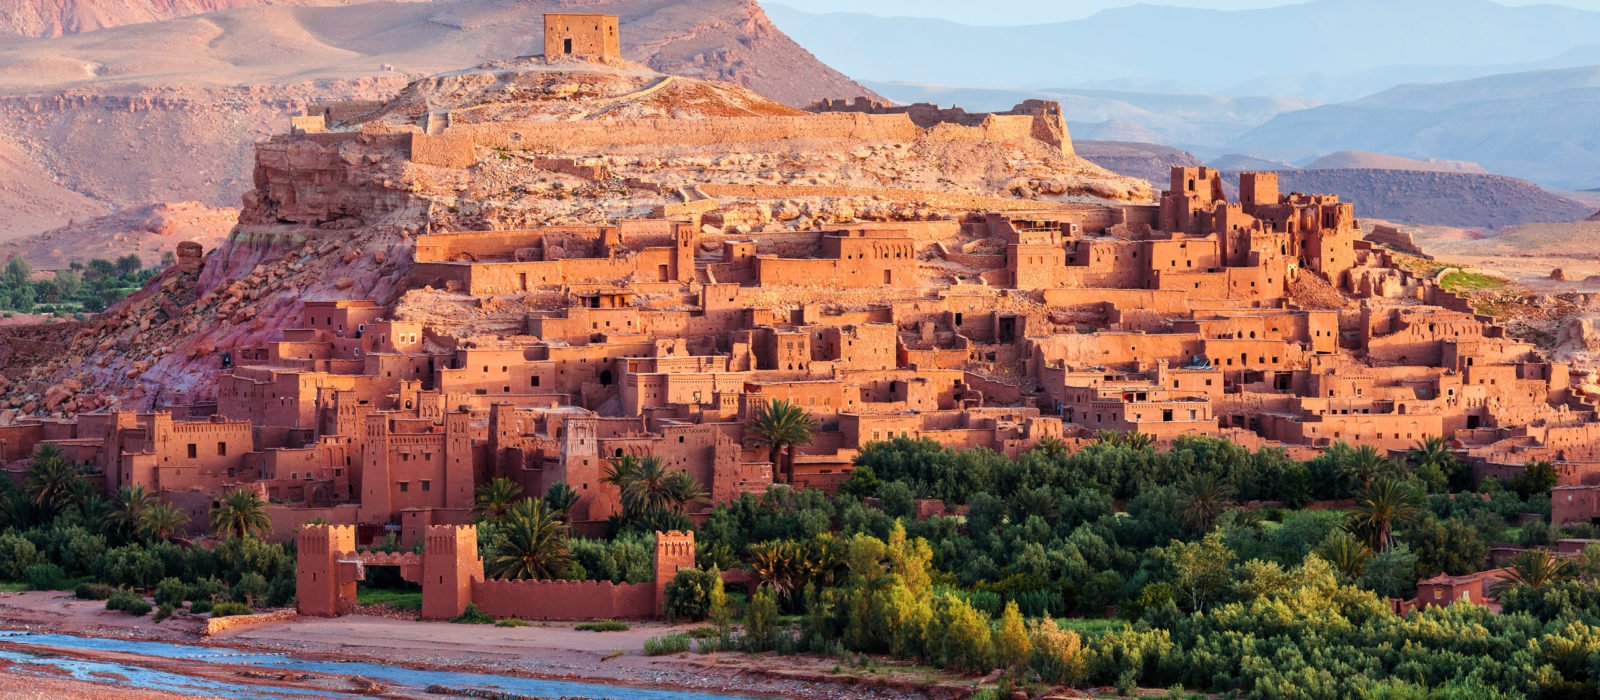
41	659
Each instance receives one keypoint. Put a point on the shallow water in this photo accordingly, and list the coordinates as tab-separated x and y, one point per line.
390	675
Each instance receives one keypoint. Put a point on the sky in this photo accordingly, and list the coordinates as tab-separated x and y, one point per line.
1016	12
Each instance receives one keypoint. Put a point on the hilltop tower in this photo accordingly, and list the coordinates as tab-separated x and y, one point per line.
583	36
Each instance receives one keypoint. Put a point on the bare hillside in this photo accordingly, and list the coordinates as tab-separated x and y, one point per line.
52	18
148	232
168	111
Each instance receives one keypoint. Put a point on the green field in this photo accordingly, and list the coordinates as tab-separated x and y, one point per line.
1461	280
399	600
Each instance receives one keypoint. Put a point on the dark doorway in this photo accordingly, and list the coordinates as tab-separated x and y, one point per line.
605	377
566	46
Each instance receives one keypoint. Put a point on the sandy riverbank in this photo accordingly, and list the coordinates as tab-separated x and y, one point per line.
548	650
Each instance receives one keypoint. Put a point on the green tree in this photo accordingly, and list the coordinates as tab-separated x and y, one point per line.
781	426
1391	573
17	553
52	482
1449	546
131	504
1012	644
1433	461
17	272
560	498
1057	655
160	521
494	497
129	264
1205	498
1536	569
529	542
1380	507
1202	569
961	637
240	513
1348	555
761	622
1536	478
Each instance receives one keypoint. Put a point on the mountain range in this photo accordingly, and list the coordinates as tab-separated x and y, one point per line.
1329	50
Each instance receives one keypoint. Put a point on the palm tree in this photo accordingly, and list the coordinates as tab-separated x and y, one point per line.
1365	465
781	426
1129	439
775	563
240	513
1205	499
131	504
684	490
160	521
1384	504
494	497
1347	554
560	498
531	542
51	481
1052	447
1432	454
1534	568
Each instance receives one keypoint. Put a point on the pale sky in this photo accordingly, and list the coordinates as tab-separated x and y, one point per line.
1016	12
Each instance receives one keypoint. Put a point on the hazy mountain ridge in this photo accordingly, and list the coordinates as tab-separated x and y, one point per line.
1538	126
1214	51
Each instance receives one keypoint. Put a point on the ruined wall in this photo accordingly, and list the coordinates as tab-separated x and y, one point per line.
455	147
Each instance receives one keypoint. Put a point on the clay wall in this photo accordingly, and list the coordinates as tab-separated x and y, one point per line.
1574	504
564	600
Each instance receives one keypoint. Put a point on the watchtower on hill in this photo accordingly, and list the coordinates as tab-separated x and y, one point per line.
586	36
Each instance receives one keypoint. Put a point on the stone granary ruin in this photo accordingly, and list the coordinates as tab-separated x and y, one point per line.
532	268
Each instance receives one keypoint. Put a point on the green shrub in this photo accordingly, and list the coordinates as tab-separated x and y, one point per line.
229	609
44	577
689	594
666	644
92	591
512	622
171	592
602	626
472	616
200	607
128	602
16	554
163	613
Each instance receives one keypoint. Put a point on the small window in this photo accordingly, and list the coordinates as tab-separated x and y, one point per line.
405	486
222	449
194	450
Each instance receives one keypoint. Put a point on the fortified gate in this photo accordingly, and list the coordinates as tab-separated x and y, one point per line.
450	572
